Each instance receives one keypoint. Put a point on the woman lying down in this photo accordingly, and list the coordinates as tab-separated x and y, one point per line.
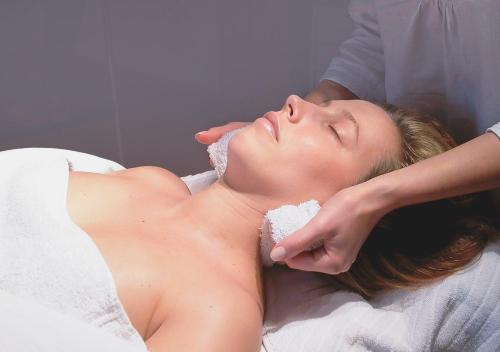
186	267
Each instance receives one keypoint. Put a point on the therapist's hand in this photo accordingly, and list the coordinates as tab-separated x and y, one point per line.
213	134
342	224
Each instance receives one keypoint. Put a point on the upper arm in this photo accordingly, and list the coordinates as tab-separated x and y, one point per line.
211	325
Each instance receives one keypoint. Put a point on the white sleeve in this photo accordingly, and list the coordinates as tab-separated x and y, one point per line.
495	129
359	66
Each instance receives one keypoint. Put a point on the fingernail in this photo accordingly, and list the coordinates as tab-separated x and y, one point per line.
200	132
278	253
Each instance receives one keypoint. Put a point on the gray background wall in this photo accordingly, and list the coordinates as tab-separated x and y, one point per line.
133	81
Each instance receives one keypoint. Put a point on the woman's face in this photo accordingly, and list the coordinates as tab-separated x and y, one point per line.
305	151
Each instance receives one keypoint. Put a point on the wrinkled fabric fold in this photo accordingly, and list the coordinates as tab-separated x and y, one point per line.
44	256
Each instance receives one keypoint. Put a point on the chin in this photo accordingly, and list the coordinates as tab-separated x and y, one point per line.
248	162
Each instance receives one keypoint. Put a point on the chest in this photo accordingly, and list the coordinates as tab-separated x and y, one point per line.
157	266
150	268
155	258
124	217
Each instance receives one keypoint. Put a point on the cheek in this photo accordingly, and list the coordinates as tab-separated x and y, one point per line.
293	172
316	175
321	167
308	168
247	164
312	158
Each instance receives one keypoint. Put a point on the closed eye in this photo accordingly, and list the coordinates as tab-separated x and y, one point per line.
335	133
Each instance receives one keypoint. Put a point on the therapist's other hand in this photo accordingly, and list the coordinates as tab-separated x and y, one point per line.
213	134
342	224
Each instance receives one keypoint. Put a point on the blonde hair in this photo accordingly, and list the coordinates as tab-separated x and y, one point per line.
420	244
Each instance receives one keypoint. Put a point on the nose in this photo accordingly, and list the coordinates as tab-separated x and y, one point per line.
294	106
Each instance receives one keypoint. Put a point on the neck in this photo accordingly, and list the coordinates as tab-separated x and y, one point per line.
227	219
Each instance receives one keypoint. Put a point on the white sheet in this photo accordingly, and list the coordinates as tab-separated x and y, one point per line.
460	313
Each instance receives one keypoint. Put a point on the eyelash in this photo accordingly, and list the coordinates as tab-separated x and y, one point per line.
335	132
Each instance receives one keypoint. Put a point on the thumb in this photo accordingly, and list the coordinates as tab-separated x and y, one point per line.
208	137
297	242
213	134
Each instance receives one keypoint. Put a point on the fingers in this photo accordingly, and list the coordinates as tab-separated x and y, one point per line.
299	241
208	137
319	260
213	134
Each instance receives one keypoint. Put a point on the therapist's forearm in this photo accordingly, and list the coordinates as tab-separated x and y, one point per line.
471	167
329	90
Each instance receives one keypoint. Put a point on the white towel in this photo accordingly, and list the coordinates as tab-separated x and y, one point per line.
26	326
218	151
281	222
44	256
196	183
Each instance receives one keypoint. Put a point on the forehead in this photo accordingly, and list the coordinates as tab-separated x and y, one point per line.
362	107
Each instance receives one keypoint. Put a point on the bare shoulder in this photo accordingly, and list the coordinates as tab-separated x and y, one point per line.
156	177
95	198
223	319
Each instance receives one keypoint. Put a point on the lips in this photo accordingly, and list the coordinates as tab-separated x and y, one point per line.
268	126
273	119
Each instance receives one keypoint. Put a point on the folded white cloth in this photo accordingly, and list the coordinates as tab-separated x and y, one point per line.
281	222
218	151
45	257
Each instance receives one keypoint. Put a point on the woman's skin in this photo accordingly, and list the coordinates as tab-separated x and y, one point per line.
186	267
346	220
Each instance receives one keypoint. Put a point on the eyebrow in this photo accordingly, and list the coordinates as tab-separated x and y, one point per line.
351	118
